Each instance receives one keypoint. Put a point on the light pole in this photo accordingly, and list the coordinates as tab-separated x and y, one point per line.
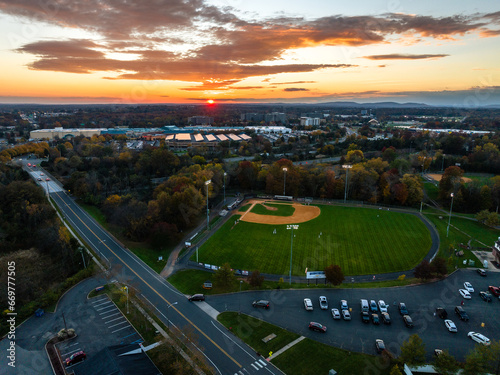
292	227
225	187
284	180
81	252
442	163
449	220
239	299
208	220
126	289
346	167
169	306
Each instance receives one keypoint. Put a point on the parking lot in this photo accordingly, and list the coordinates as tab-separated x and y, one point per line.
287	311
101	325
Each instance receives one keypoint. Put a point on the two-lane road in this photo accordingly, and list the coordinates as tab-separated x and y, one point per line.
223	351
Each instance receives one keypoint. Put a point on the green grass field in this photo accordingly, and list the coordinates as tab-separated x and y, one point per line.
361	240
244	208
281	209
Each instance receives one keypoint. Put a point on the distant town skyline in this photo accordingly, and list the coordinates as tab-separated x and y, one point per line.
235	51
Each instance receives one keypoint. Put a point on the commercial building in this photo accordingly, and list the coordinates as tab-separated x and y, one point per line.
200	120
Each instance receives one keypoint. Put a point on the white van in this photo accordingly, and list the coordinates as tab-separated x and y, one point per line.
364	306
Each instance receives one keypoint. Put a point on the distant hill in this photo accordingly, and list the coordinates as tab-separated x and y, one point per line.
375	105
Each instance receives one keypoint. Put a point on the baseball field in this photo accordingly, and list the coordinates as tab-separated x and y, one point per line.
361	240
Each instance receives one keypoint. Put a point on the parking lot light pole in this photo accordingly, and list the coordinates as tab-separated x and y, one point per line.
169	306
284	180
225	174
126	289
208	220
346	167
239	299
292	227
449	220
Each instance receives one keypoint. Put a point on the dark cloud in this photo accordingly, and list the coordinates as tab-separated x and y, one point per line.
402	56
292	89
229	48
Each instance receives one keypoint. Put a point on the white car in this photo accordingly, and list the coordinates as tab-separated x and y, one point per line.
382	306
343	305
450	325
465	293
346	314
335	314
479	338
323	303
469	287
308	304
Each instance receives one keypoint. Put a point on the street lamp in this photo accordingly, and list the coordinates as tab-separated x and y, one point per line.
169	306
225	174
346	167
292	227
126	288
239	299
442	163
449	220
206	184
284	180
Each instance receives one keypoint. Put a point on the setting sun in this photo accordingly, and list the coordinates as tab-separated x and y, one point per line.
210	101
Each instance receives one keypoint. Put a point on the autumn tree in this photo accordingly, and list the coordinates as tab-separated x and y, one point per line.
256	279
334	274
224	276
446	364
450	182
439	266
413	351
423	270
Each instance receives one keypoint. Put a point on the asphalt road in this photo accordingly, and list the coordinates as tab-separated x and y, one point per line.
287	311
226	353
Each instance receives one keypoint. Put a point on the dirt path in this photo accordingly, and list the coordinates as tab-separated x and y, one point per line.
302	214
437	177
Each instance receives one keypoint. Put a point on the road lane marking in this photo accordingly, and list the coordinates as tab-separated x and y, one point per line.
153	289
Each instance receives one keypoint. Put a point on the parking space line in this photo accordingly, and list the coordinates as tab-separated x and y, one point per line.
132	334
104	317
117	324
99	299
104	308
104	303
112	320
119	329
68	354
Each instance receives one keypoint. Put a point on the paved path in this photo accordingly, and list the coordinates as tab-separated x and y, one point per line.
286	347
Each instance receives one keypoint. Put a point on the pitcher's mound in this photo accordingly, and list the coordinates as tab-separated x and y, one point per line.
302	214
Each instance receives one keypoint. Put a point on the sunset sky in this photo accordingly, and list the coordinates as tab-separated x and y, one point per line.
173	51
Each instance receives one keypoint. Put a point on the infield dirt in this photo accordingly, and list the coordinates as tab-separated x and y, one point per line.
302	214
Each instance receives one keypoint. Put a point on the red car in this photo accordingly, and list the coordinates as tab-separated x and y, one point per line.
494	290
313	326
47	179
75	358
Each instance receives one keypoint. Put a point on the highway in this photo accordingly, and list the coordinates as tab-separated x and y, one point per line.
223	351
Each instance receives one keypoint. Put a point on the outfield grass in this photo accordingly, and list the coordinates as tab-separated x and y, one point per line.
431	190
281	209
306	357
360	240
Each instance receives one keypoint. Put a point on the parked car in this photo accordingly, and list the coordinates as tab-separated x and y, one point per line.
485	296
313	326
465	293
346	315
386	318
197	297
441	312
481	272
468	287
402	309
323	303
382	306
343	305
379	345
335	314
75	358
47	179
450	326
375	319
461	313
262	303
373	306
479	338
408	321
308	305
365	317
494	290
39	179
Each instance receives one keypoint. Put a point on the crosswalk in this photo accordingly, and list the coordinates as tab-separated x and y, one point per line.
257	365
